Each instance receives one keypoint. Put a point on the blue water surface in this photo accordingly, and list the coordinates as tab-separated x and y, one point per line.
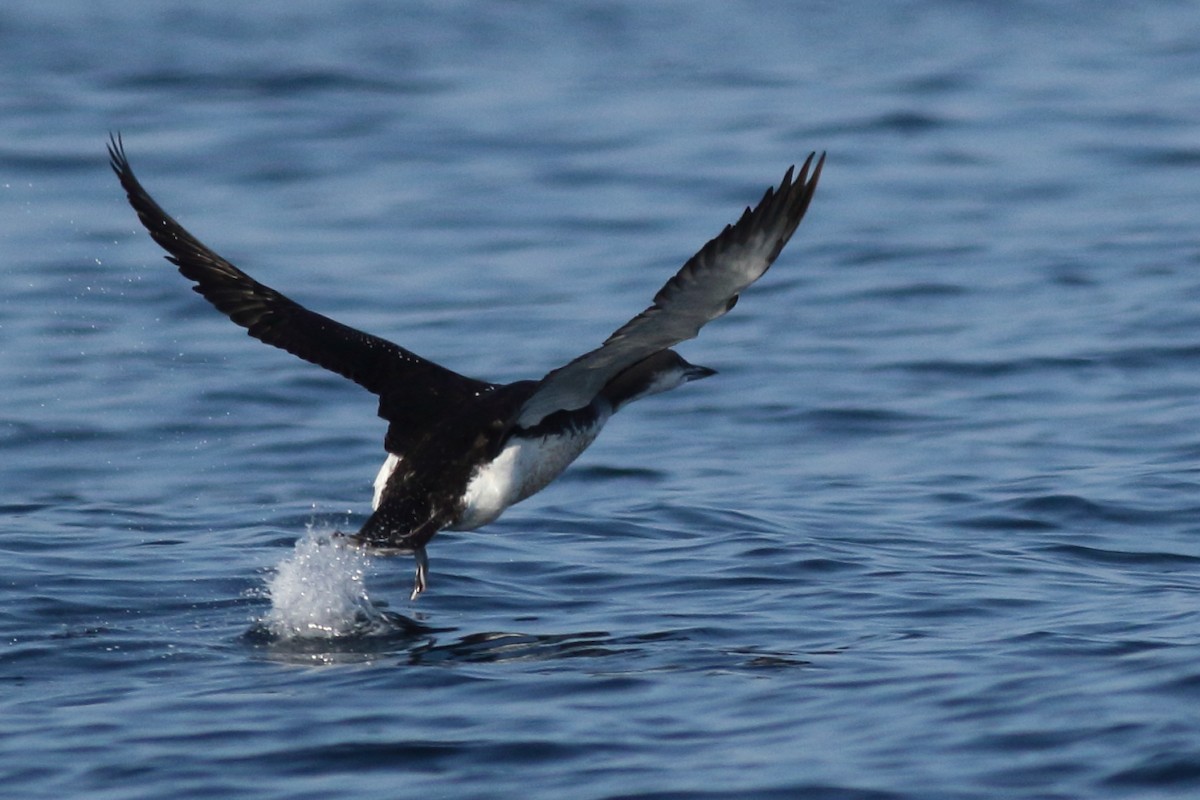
933	532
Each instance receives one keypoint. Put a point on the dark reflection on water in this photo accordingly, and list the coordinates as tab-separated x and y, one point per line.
414	643
506	647
611	653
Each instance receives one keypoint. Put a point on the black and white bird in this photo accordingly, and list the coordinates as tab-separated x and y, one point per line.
461	450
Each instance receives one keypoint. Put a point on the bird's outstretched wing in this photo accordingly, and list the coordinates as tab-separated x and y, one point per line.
411	388
705	288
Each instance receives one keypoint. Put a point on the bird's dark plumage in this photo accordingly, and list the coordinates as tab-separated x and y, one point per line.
706	287
464	449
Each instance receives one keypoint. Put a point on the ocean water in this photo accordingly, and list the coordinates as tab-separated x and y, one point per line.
933	532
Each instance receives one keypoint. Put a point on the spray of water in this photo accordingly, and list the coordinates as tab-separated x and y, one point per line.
319	591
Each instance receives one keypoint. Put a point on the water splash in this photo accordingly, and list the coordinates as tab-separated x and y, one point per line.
319	591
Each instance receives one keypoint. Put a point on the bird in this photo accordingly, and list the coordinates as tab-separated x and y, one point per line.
461	450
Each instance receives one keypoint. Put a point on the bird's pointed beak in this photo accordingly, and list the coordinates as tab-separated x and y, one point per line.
696	372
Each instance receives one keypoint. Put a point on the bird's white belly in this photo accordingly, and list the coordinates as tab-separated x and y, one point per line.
523	467
381	479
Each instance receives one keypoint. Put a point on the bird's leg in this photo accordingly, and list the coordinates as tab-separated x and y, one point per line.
422	571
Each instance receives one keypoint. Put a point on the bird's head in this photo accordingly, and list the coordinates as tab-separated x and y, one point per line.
661	372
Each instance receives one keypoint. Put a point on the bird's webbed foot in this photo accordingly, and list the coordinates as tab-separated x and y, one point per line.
422	576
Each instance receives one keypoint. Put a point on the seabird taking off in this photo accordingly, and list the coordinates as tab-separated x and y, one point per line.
462	450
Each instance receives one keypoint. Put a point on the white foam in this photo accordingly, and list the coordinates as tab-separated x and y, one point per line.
319	591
